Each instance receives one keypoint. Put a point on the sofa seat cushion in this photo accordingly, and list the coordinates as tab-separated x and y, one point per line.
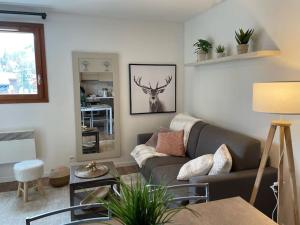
155	162
166	175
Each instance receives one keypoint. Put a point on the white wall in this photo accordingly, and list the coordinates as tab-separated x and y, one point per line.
222	93
134	41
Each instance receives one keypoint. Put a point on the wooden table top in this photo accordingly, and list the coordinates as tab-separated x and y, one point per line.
231	211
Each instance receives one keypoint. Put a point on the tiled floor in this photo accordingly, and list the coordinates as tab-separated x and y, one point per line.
14	210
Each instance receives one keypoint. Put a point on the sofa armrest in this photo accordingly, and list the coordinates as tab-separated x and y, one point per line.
143	138
241	183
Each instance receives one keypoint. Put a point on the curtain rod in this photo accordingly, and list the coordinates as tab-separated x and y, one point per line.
43	15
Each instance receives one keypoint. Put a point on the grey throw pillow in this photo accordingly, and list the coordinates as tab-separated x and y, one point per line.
153	140
196	167
222	161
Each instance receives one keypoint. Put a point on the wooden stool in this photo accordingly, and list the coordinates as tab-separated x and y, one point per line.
26	172
23	188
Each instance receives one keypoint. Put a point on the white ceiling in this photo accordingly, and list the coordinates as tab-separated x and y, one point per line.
167	10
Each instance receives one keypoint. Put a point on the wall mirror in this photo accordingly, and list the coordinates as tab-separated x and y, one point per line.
96	92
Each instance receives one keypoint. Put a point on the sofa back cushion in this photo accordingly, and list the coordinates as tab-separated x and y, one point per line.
193	139
153	140
206	139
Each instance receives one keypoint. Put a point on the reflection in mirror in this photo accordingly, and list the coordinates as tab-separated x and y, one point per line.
97	105
96	100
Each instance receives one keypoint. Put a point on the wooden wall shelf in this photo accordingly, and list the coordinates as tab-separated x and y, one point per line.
250	55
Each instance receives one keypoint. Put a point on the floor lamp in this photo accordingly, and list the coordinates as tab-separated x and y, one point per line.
278	98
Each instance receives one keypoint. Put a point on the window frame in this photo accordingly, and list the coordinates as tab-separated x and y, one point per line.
40	60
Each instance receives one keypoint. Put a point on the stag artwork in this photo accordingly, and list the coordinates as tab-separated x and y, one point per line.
155	105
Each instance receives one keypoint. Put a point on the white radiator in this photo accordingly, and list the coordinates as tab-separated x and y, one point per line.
17	146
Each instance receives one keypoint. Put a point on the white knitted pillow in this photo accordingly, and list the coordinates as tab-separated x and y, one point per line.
196	167
222	161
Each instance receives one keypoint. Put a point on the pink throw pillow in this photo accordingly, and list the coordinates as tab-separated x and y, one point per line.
153	140
171	143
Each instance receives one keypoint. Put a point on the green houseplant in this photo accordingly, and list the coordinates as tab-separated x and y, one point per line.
202	49
220	50
139	204
243	39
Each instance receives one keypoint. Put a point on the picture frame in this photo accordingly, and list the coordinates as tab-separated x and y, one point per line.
152	88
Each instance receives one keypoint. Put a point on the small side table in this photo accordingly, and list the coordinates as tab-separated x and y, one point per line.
78	184
91	132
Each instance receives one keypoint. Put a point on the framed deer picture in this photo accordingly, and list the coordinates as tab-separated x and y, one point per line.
152	88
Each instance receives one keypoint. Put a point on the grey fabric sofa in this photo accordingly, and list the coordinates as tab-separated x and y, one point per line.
205	139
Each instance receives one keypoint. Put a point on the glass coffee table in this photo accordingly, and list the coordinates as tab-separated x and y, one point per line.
81	187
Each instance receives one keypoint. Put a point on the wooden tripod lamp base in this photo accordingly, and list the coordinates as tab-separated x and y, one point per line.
281	98
285	137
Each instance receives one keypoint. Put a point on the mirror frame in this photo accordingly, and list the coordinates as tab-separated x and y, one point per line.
76	56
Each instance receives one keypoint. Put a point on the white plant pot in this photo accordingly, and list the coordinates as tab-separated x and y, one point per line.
242	49
220	54
201	56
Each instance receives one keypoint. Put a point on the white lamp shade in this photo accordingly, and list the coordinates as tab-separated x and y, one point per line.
277	97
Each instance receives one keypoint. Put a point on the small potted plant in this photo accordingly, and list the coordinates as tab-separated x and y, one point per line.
202	48
243	39
220	50
140	204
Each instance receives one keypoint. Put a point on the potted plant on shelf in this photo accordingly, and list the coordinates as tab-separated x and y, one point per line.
220	51
242	39
202	48
140	204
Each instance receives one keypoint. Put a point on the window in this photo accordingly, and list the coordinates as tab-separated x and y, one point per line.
23	77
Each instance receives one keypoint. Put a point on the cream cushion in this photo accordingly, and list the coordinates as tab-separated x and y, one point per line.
29	170
196	167
222	161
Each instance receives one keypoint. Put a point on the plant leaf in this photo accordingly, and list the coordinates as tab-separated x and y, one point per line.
139	205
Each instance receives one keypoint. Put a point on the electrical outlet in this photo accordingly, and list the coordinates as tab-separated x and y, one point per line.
71	159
